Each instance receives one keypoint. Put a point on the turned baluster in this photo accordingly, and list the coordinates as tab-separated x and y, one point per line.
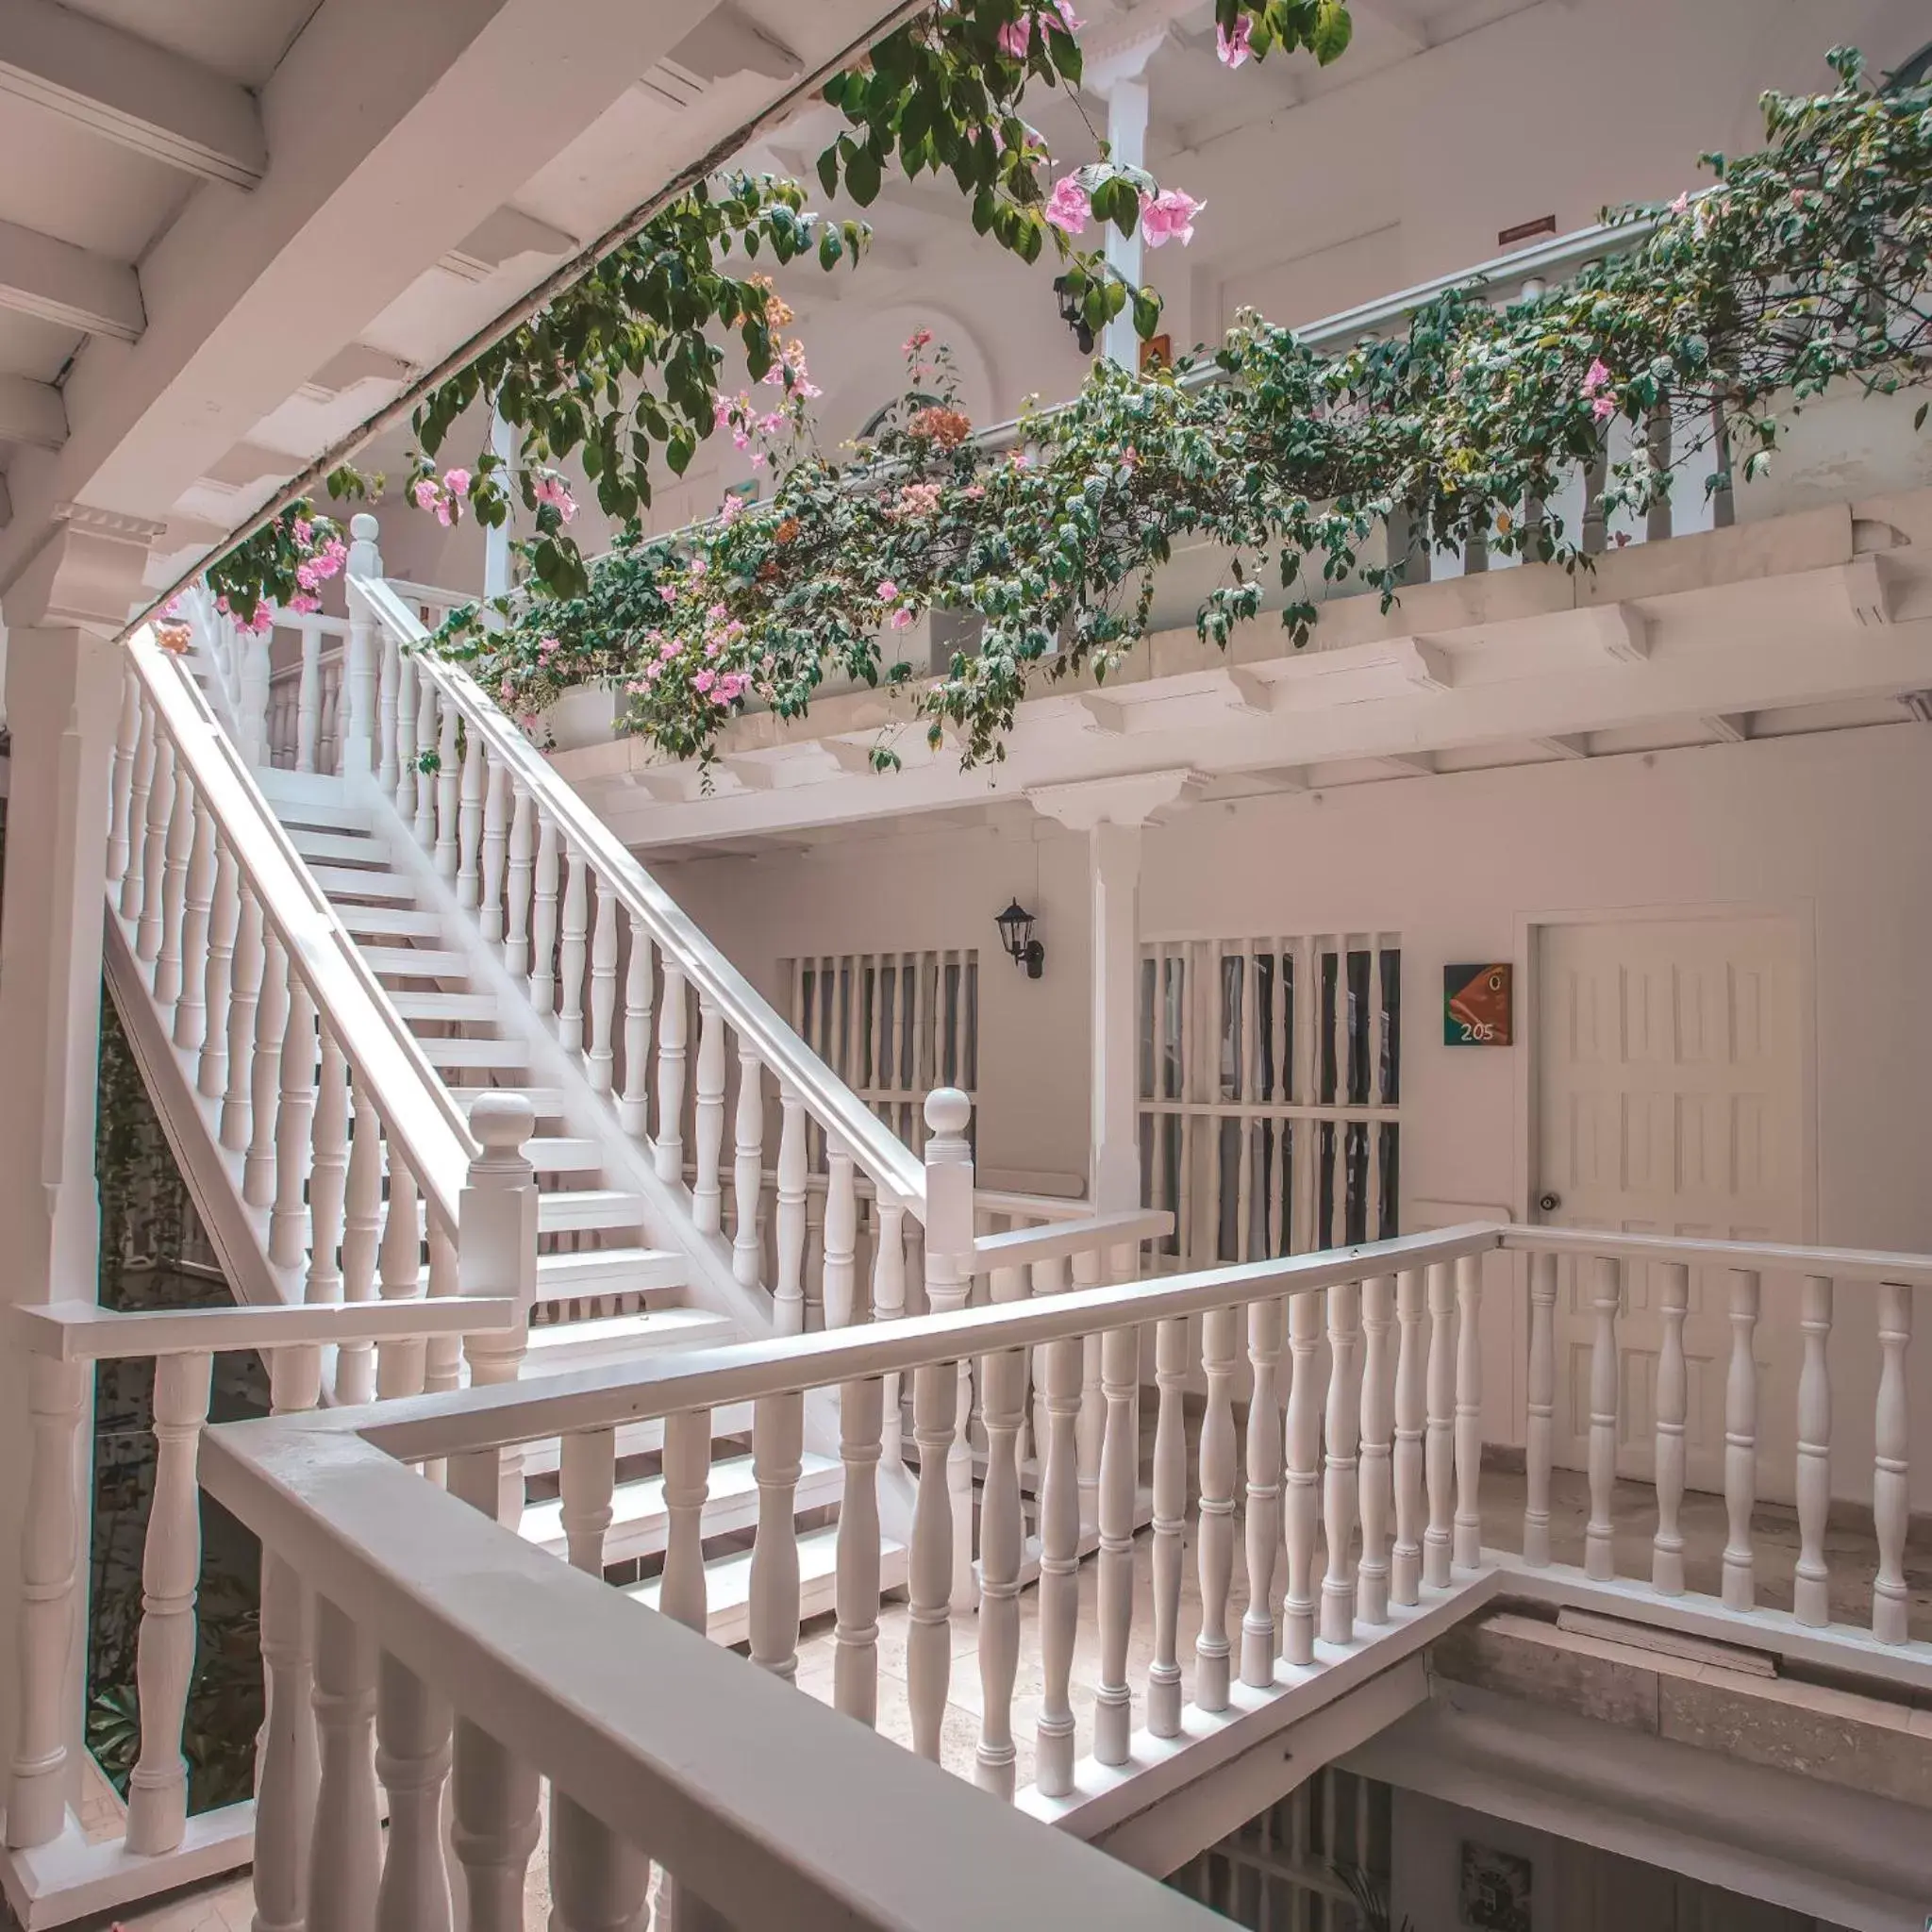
1891	1465
442	1357
154	857
494	1795
708	1120
402	783
328	749
1811	1588
284	1799
1606	1290
571	955
839	1279
449	778
1438	1444
928	1641
401	1365
120	785
1538	1450
141	779
191	1008
1002	1537
171	1569
1339	1479
328	1169
887	1301
1119	1459
473	785
345	1858
271	1026
412	1759
778	1445
494	854
633	1111
1468	1536
49	1603
544	916
855	1652
288	1221
673	1023
429	712
1216	1555
1301	1509
211	1077
1263	1517
388	708
1090	1429
600	1059
362	1230
1170	1525
687	1483
1740	1444
1059	1565
180	846
747	1168
788	1287
1377	1418
1405	1557
1667	1547
520	863
308	700
245	990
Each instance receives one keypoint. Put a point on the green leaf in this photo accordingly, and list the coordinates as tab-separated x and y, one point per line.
862	177
1332	33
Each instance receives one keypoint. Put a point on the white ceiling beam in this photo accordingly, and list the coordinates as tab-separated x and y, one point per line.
1420	764
378	172
1249	692
1728	727
1102	714
130	92
31	413
1872	589
70	286
1569	744
1623	632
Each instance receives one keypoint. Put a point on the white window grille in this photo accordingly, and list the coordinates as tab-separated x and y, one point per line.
1270	1084
892	1027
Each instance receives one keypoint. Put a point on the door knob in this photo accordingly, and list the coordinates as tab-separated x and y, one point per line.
1549	1203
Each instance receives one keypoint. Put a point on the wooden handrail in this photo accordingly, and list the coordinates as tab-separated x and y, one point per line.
417	1113
1765	1258
792	1063
1020	1247
86	1332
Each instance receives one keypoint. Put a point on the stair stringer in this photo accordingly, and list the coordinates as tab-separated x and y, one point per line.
591	1115
212	1172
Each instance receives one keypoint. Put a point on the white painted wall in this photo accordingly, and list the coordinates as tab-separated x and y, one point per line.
1826	829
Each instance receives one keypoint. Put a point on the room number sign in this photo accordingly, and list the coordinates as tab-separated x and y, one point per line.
1477	1005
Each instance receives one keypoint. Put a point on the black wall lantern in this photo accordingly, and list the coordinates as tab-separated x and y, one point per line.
1016	931
1076	319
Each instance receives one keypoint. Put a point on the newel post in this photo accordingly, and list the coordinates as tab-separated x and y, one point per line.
496	1255
358	736
948	1286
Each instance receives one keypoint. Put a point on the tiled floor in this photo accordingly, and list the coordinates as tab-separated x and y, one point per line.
1850	1552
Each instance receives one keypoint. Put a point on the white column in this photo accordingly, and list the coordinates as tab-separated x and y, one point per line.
63	694
1127	138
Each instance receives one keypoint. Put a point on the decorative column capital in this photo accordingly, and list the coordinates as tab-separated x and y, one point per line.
86	574
1130	799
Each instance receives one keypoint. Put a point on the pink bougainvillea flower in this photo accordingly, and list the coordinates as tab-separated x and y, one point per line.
423	495
1594	378
1604	407
888	591
1068	207
302	603
1682	201
305	533
901	618
552	490
457	482
704	680
1233	47
917	340
1169	216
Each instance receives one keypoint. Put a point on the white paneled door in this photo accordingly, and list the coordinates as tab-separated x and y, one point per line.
1669	1094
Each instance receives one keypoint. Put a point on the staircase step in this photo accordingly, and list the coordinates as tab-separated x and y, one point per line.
311	798
608	1270
415	962
547	1102
640	1521
727	1583
320	847
626	1338
446	1006
556	1154
389	922
349	882
589	1207
475	1053
642	1439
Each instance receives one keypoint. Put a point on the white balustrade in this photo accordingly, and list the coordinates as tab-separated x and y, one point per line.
1667	1547
856	1660
1377	1420
1213	1651
1340	1484
1740	1444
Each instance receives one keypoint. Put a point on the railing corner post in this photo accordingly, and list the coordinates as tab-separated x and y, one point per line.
358	736
496	1253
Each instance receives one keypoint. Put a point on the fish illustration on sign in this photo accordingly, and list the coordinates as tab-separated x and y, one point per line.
1477	1005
